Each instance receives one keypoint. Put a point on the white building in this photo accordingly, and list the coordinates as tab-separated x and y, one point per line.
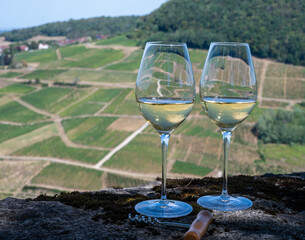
43	46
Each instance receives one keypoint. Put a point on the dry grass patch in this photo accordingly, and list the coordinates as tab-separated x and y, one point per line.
126	124
15	174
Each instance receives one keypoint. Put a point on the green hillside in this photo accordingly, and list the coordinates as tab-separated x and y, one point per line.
273	28
76	28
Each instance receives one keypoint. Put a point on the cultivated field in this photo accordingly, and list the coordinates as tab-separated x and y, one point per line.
76	125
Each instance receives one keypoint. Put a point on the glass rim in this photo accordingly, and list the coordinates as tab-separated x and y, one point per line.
166	43
230	43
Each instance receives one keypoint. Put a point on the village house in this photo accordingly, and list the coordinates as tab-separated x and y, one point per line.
43	46
23	48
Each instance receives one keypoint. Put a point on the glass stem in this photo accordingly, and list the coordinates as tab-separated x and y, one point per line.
226	135
164	143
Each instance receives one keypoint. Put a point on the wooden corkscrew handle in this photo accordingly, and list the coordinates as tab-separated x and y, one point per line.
199	226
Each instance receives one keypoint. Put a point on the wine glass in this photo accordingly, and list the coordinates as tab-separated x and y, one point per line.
227	94
165	93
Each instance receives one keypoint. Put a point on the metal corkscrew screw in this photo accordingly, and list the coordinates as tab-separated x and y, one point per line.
153	221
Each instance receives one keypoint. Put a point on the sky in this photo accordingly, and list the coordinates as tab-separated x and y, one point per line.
27	13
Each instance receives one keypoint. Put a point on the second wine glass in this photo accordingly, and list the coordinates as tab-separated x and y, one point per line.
165	93
228	94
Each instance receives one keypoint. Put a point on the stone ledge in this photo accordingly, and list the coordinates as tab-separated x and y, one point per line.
278	211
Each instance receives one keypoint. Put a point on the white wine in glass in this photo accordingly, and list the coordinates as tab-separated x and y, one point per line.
165	114
165	93
228	94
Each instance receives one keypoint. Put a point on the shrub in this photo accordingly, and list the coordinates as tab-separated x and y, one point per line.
280	126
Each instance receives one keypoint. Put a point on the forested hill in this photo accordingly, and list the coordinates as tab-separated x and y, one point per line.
76	28
273	28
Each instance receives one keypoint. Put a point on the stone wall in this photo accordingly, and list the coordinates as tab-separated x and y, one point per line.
278	211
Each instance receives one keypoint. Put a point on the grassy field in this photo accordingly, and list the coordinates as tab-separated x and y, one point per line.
41	56
96	76
104	95
73	50
198	128
295	89
10	131
69	99
277	70
81	108
94	132
273	92
17	88
274	104
10	74
54	147
46	98
15	112
291	154
142	154
189	168
43	74
131	63
98	59
287	80
202	152
27	139
15	174
92	103
198	56
255	114
124	104
114	180
119	40
72	177
258	65
243	135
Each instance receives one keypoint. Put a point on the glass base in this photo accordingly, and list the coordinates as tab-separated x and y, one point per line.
221	203
163	209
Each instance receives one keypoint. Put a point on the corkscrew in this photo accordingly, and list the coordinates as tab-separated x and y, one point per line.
154	221
196	230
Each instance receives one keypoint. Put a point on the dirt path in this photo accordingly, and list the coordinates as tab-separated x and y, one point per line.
126	50
262	80
105	106
290	101
69	143
120	146
34	109
189	150
58	54
12	123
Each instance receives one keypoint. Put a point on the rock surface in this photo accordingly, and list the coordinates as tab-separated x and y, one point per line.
278	211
